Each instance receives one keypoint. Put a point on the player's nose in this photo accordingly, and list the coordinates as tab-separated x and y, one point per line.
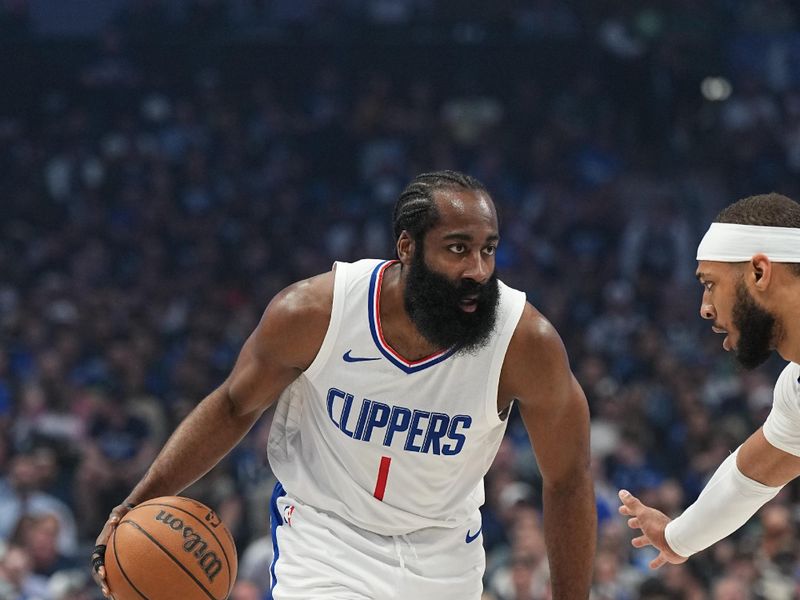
707	311
477	269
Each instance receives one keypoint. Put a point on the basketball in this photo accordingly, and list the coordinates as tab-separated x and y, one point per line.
169	548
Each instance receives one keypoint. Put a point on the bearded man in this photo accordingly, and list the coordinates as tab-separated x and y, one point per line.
394	380
749	266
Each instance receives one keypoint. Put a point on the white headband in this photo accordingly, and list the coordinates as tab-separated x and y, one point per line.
726	242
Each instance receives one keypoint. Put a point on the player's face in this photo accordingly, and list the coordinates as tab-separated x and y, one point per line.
750	329
451	289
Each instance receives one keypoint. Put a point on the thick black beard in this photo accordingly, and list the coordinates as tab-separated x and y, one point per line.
757	329
432	302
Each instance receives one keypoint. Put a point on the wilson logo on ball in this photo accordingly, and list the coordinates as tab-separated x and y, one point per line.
209	561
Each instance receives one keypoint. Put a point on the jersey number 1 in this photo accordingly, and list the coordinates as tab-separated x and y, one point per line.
383	475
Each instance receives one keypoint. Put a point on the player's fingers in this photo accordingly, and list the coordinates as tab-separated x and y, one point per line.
624	510
640	542
634	523
99	552
98	561
106	590
658	561
113	520
105	533
630	501
99	579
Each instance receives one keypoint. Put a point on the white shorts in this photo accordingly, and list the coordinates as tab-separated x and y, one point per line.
318	556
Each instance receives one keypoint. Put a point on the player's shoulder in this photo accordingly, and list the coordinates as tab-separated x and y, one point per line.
294	323
535	352
534	335
788	382
305	299
536	367
308	304
793	371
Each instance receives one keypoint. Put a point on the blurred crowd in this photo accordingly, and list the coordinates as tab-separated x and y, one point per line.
156	194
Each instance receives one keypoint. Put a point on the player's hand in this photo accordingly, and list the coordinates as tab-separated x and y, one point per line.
652	523
99	553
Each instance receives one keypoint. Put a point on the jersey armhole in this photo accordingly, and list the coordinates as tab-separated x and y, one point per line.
516	301
779	427
337	309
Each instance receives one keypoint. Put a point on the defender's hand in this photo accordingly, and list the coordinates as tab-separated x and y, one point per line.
652	524
99	553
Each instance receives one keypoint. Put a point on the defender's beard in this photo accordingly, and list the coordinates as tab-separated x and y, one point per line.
757	329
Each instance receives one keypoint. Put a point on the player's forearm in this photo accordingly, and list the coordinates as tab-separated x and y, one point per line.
570	526
204	437
726	503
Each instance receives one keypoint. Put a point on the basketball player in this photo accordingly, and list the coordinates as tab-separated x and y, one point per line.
749	265
393	381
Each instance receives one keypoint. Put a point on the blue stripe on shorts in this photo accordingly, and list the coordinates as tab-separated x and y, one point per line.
276	520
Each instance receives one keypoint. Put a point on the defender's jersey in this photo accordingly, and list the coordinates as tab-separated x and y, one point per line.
782	427
390	445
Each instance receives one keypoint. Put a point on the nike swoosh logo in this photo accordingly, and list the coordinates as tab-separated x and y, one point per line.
347	358
472	538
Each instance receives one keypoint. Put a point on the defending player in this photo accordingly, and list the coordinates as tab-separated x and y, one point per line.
394	380
749	265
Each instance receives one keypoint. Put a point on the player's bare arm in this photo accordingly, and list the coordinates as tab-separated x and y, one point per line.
761	461
553	407
283	344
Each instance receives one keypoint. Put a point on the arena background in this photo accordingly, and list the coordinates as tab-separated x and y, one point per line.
167	166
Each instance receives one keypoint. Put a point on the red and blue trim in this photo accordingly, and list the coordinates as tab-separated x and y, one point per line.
276	520
408	366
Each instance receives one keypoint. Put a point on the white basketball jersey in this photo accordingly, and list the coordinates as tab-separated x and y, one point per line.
388	444
782	427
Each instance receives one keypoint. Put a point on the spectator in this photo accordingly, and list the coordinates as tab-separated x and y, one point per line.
246	590
21	496
117	452
38	537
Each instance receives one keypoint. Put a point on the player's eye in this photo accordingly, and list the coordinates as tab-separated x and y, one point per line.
457	248
490	250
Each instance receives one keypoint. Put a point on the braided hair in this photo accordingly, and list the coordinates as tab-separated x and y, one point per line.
415	209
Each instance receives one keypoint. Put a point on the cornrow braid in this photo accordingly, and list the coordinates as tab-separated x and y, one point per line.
415	210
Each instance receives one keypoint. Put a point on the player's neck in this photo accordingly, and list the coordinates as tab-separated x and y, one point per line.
397	327
789	346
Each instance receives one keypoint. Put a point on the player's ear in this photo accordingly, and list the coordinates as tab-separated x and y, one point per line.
405	248
761	268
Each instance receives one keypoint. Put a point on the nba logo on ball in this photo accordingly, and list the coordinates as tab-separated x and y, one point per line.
212	519
169	548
